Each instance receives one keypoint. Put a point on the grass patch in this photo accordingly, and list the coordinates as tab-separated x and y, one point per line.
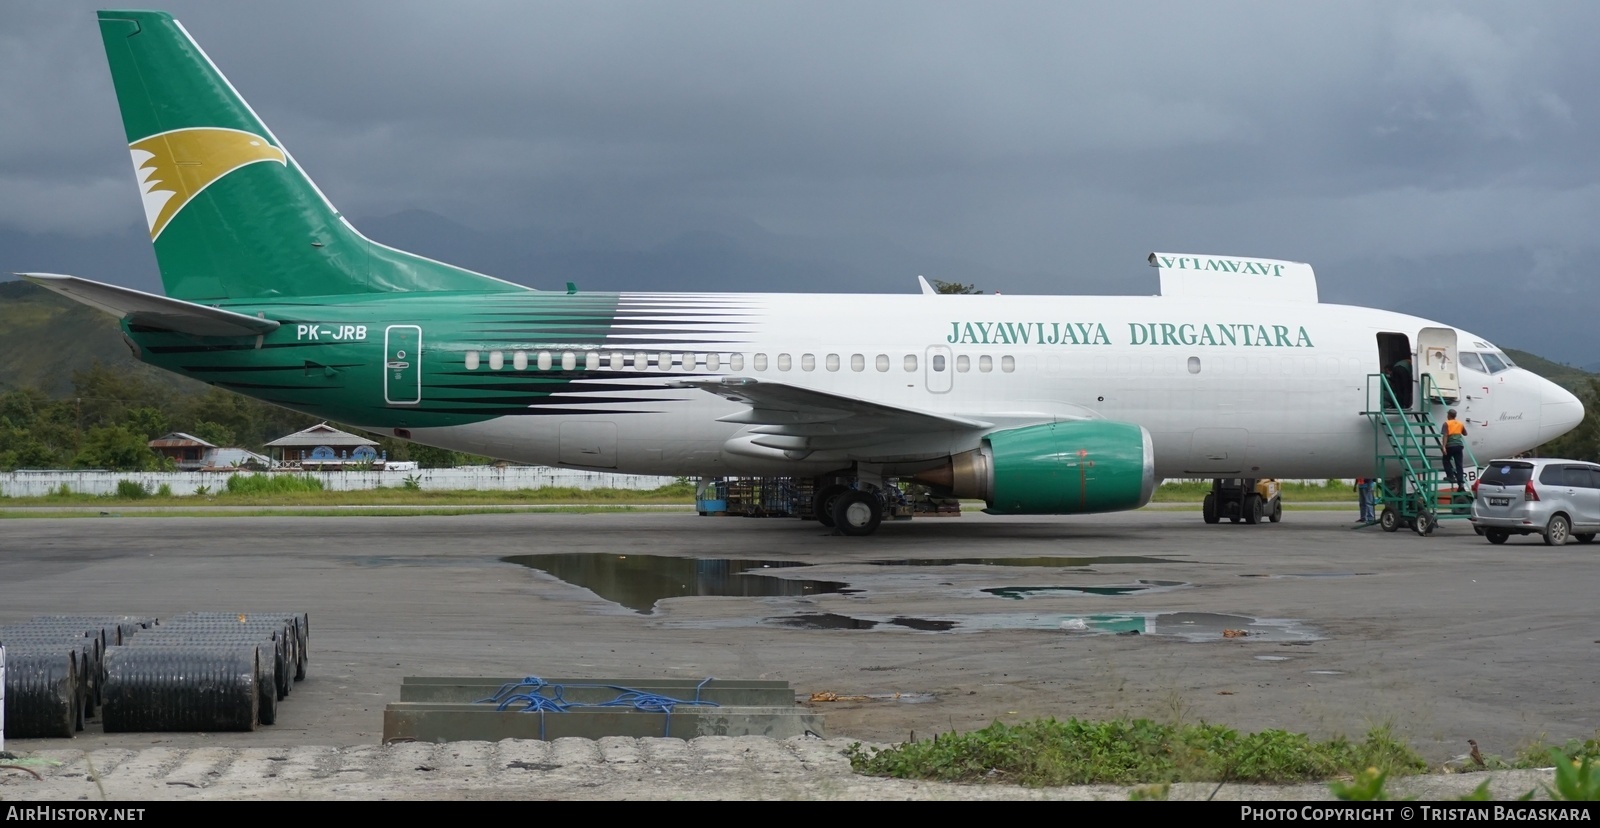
1049	752
273	484
291	511
390	496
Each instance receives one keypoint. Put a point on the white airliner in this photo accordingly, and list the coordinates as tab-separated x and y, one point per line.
1034	404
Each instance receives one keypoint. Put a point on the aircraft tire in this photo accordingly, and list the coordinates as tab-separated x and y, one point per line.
857	513
822	502
1208	510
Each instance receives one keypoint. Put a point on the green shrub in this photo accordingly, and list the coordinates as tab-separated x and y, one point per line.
165	490
272	484
132	490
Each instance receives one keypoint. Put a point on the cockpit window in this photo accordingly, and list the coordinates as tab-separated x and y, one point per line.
1472	361
1505	359
1494	363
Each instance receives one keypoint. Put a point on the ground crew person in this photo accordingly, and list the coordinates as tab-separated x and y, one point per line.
1455	442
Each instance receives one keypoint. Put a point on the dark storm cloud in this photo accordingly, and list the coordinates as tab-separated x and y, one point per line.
1434	150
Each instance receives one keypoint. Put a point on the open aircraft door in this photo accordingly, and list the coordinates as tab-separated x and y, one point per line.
1436	348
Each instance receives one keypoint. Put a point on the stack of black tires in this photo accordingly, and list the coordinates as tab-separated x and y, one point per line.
203	671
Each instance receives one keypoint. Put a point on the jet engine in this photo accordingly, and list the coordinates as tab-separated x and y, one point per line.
1061	468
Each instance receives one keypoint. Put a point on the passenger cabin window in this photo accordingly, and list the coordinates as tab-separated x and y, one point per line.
544	360
519	360
736	362
911	363
760	362
664	361
569	361
472	360
833	362
858	362
784	362
713	362
963	363
497	360
938	362
808	362
1008	364
882	362
986	363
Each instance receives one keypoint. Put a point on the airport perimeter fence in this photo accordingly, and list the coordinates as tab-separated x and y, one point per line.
470	478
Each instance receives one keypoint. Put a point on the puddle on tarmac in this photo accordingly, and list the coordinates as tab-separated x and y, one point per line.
1326	672
1044	561
1311	575
1189	626
834	621
1272	658
1021	592
639	581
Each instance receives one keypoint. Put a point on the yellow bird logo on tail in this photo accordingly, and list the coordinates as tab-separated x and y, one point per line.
174	167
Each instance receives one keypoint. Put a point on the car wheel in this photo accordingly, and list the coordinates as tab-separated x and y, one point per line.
1208	509
1586	537
1277	511
1390	519
1557	530
857	513
1496	536
1252	508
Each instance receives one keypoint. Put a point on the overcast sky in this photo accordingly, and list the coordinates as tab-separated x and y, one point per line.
1435	157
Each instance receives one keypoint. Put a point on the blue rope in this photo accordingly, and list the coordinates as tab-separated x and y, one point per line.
530	693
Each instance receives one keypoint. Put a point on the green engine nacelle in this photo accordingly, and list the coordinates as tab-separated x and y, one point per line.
1064	468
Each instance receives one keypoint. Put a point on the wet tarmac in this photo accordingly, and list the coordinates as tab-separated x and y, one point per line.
1447	637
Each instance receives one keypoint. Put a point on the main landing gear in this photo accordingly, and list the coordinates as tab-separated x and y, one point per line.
855	509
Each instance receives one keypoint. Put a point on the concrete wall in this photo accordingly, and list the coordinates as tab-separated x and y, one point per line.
39	483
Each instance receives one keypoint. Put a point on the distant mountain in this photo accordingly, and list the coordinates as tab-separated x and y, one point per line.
1573	379
45	337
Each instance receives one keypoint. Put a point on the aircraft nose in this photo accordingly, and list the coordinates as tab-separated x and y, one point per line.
1559	412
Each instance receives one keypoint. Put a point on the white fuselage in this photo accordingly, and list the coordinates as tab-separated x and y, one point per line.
1225	388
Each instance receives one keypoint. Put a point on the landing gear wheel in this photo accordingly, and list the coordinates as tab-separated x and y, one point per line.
1251	508
1496	536
1557	531
822	502
857	513
1424	523
1208	509
1277	511
1586	537
1390	519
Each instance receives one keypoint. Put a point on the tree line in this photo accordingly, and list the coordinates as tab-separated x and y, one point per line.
113	413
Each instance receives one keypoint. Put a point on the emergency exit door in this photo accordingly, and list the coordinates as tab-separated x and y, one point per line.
402	364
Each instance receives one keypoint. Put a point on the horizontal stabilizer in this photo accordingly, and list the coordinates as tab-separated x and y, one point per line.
1234	277
142	308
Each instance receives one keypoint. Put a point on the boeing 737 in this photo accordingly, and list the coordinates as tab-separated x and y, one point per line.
1033	404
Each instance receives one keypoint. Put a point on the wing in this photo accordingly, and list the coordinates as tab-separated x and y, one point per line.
790	418
156	311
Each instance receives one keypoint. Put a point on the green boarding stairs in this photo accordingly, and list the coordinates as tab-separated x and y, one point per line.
1412	490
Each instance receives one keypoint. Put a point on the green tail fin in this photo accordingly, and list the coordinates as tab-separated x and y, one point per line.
231	214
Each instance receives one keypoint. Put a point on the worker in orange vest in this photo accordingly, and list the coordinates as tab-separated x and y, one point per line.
1455	442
